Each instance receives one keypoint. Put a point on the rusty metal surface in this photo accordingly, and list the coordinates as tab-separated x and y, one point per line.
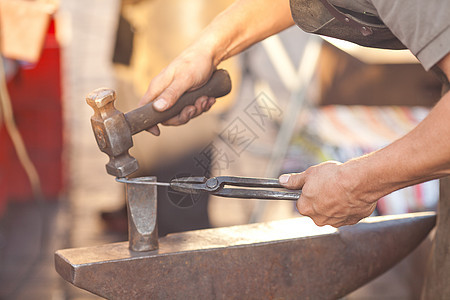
113	129
141	207
288	259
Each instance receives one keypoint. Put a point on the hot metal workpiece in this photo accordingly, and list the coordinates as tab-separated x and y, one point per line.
288	259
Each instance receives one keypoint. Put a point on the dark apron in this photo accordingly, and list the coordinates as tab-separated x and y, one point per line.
321	17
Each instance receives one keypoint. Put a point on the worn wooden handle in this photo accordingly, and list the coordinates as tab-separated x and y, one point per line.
146	116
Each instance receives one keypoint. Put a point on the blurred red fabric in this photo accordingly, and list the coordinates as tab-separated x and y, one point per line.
35	93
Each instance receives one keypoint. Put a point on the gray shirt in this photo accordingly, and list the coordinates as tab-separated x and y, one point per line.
423	26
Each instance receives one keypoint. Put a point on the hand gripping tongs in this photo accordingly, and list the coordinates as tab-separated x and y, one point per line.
218	186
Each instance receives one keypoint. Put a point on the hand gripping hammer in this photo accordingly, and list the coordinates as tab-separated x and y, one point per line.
113	129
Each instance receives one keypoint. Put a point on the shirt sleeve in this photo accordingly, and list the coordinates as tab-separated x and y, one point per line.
422	26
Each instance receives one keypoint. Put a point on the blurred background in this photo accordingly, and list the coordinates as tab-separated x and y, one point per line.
297	100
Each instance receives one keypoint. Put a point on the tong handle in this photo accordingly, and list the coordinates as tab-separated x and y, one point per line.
258	194
221	181
249	181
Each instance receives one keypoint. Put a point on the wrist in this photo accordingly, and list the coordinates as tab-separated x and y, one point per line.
220	39
363	178
214	49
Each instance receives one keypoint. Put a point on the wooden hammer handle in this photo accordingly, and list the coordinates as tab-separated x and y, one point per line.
146	116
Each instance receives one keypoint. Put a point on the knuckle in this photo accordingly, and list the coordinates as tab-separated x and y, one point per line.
174	121
310	170
303	208
352	222
187	77
336	225
185	116
319	222
182	119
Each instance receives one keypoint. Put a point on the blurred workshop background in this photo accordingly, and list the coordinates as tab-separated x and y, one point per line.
297	100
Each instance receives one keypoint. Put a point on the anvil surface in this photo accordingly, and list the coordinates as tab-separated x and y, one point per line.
287	259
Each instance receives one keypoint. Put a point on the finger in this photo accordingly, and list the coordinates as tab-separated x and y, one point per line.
211	102
203	104
293	180
304	208
170	95
154	130
182	118
321	220
339	222
156	87
200	105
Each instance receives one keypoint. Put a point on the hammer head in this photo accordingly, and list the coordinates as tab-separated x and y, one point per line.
112	132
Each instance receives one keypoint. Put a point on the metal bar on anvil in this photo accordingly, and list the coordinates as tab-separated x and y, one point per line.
281	259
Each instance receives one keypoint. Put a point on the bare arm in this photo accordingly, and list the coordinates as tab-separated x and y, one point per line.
244	23
340	194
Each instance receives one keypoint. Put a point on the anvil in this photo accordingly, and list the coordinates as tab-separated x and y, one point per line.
287	259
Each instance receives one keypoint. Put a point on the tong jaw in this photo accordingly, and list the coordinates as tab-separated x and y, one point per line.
195	185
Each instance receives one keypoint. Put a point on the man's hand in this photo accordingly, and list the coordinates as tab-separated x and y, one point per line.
188	71
327	196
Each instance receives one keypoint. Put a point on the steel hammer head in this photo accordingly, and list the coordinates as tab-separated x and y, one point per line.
112	132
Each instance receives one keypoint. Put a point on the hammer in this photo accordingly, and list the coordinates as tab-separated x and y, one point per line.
113	129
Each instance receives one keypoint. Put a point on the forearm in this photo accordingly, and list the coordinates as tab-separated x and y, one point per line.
423	154
244	23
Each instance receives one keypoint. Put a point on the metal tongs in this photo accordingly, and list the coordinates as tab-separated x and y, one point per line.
217	186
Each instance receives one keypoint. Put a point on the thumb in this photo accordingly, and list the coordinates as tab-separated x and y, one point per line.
156	87
164	90
170	95
293	181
